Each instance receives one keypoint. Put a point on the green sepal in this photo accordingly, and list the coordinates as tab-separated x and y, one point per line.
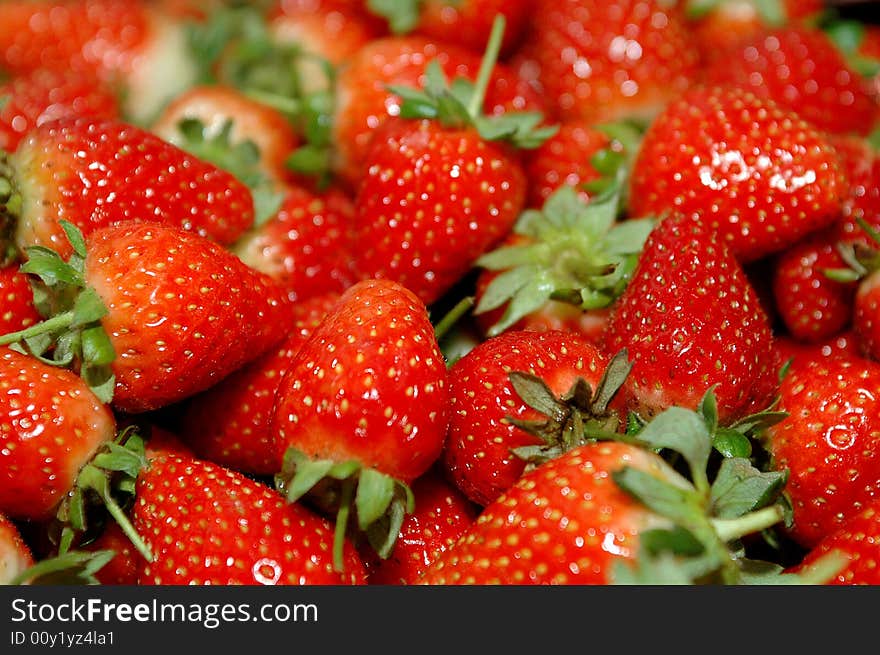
402	15
678	502
740	488
70	568
848	36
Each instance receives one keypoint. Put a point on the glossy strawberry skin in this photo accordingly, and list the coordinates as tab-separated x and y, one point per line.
205	524
229	423
801	69
15	555
690	320
307	246
866	315
442	514
828	442
370	384
756	173
17	310
52	426
432	200
565	522
97	172
857	540
477	456
598	61
182	311
364	102
468	23
44	95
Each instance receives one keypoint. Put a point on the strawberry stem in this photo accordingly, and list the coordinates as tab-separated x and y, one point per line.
731	529
49	326
490	58
449	320
342	515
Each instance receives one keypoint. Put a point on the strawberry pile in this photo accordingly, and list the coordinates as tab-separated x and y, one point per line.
439	292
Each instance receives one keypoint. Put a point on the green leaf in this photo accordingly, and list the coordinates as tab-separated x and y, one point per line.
536	394
740	488
731	443
685	432
375	491
402	15
678	503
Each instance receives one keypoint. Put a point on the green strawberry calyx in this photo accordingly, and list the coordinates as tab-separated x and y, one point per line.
71	336
771	12
459	104
861	259
368	502
71	568
571	251
402	15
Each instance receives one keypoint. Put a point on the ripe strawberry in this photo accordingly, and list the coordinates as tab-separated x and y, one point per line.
307	246
43	95
845	344
828	443
18	311
442	513
229	423
52	427
857	540
450	176
132	46
364	401
751	170
209	525
363	100
96	172
583	517
122	568
520	397
153	314
801	69
598	61
691	321
567	251
215	105
464	23
15	555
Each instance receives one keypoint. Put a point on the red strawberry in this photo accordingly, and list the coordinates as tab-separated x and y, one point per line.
229	423
802	70
598	61
364	400
442	513
43	95
520	397
307	246
94	172
122	568
751	170
161	314
464	23
857	540
585	516
828	443
363	101
129	44
15	555
209	525
52	427
845	344
691	321
18	311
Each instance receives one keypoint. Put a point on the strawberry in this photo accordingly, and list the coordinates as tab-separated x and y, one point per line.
307	246
442	173
152	314
365	402
15	555
567	251
857	540
363	99
691	321
598	61
828	442
229	423
589	515
743	165
18	311
122	568
96	172
130	45
521	397
801	69
209	525
442	513
43	95
464	23
844	344
216	105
